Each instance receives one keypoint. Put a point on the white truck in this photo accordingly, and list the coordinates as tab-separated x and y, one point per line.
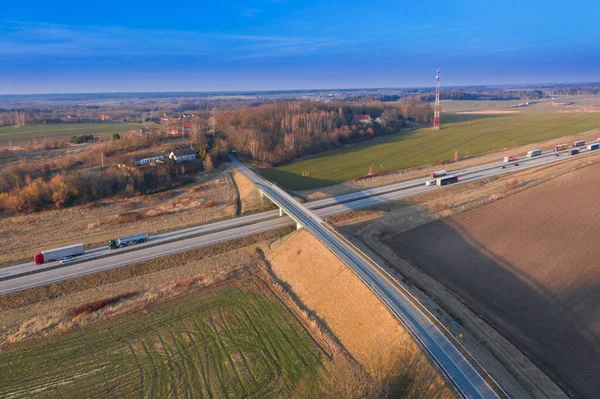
125	241
534	153
58	253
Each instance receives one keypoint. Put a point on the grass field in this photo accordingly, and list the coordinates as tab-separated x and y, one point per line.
235	342
62	130
470	134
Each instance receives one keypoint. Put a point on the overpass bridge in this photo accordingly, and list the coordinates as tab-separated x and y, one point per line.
462	374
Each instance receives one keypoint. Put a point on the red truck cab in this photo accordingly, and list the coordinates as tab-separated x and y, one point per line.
38	258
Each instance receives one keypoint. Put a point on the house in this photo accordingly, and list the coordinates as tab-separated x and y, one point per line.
144	161
105	117
187	127
378	120
363	118
173	130
145	130
180	156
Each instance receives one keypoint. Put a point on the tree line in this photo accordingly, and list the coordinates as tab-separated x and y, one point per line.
282	131
484	95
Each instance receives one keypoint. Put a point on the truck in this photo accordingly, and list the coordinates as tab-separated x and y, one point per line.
534	153
439	173
58	253
578	143
509	159
560	147
573	151
125	241
594	146
442	181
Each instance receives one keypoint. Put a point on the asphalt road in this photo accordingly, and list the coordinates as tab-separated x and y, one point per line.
28	275
458	370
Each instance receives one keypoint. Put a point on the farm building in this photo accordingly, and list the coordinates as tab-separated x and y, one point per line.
144	161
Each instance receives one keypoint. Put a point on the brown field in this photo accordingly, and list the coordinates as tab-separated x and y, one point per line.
363	324
526	264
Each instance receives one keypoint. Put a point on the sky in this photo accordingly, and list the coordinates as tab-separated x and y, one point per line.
63	46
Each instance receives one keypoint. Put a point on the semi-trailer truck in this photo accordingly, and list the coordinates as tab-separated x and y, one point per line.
439	173
561	147
592	147
58	253
579	143
442	181
573	151
534	153
125	241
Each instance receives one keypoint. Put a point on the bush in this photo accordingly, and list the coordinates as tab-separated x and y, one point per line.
83	138
95	306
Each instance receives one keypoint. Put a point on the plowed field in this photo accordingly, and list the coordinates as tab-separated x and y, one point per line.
530	265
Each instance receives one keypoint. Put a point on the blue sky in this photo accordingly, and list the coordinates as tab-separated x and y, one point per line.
66	46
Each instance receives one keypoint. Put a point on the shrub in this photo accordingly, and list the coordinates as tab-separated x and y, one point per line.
95	306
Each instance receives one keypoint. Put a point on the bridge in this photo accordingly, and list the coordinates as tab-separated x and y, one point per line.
465	378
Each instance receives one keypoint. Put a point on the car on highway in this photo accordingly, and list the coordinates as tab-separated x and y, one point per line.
430	183
67	259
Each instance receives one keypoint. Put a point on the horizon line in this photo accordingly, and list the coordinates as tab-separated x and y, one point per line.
207	92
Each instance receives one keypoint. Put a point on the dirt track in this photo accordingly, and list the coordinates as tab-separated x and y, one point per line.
527	264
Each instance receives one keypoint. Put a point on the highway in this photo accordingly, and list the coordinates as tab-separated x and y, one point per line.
458	370
28	275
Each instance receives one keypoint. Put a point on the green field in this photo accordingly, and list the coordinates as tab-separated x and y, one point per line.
470	134
63	130
235	342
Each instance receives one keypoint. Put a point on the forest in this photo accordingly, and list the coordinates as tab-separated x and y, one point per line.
280	132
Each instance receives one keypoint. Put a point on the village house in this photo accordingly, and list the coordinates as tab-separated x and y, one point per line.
180	156
363	118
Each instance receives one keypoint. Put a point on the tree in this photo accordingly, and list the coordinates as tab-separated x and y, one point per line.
208	163
63	193
116	136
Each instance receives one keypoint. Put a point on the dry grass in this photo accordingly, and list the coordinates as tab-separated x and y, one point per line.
362	323
249	197
96	223
95	306
142	271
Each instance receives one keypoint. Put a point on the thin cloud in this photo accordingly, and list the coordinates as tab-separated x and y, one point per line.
505	49
250	12
28	39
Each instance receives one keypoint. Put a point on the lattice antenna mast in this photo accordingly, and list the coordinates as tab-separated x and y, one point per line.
436	107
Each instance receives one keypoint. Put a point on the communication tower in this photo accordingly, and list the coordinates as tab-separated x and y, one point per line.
436	107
